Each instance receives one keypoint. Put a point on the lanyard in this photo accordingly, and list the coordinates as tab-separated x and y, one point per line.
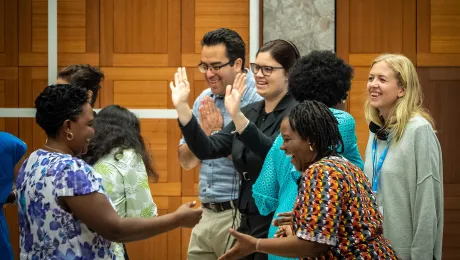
377	165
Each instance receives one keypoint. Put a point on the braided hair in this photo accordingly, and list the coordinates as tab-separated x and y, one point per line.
56	104
314	121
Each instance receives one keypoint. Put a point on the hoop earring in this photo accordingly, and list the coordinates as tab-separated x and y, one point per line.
311	148
71	136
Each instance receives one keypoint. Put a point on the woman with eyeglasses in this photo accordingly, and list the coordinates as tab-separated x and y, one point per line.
251	133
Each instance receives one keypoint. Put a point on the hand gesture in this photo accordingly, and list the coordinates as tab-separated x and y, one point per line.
283	219
180	90
234	94
284	231
210	116
187	215
245	245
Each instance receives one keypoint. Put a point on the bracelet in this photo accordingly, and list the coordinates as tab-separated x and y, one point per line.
257	244
242	129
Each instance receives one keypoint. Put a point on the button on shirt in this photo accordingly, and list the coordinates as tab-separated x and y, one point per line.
219	181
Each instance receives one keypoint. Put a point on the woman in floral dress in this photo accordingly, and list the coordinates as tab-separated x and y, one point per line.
64	211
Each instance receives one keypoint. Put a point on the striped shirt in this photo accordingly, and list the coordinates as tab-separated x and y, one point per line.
219	181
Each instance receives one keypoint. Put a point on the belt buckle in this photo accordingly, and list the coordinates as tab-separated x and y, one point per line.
213	207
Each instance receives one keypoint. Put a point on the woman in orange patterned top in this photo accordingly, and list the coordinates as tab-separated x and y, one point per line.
335	215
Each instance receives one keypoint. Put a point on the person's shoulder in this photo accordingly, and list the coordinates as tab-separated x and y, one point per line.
418	127
8	138
342	116
129	157
330	164
418	121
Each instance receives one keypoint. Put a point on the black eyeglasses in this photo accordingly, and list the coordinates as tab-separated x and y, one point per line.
203	67
266	70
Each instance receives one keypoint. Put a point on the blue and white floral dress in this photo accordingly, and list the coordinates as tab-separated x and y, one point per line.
47	231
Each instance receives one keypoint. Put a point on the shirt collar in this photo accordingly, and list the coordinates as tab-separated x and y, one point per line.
249	74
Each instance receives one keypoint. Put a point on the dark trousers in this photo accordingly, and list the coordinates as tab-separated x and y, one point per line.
257	226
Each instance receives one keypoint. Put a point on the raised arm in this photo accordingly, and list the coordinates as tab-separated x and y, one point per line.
247	132
208	147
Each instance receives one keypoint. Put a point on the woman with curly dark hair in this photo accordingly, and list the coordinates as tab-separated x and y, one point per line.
319	76
64	211
118	153
335	215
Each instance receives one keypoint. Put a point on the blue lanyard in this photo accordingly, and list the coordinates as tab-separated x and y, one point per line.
377	165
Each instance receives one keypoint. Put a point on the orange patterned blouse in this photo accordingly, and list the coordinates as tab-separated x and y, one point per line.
335	206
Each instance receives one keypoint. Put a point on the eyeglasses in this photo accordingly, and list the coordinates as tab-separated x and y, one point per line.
266	70
203	67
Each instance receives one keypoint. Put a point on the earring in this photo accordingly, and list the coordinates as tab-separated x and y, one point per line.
69	136
311	148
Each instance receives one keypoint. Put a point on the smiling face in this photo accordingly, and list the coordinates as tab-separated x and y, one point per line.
295	146
383	88
275	84
217	80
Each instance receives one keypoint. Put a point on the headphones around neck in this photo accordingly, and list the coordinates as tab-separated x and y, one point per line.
379	132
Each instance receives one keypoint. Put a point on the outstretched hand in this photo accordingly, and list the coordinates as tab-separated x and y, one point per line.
245	245
180	89
234	94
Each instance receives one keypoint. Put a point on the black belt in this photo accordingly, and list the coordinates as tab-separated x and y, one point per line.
222	206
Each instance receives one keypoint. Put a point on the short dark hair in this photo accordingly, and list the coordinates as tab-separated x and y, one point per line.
118	128
56	104
284	52
320	76
85	76
314	121
233	42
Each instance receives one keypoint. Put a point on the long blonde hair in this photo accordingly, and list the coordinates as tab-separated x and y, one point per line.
405	107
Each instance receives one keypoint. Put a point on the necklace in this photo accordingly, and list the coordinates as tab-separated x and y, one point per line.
54	149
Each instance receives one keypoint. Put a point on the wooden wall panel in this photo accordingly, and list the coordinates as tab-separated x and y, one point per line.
143	33
9	97
8	33
78	30
32	81
438	34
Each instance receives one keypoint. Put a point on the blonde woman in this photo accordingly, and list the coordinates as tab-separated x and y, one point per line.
403	159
